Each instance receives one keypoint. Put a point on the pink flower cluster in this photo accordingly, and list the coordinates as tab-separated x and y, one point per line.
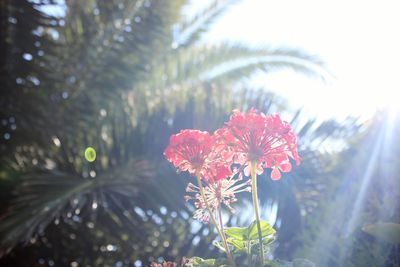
220	160
250	137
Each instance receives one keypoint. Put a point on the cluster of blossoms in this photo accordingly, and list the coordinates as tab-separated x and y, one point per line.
216	193
218	160
254	137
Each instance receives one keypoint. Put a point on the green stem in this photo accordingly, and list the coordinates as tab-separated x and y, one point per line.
220	232
256	208
249	256
224	239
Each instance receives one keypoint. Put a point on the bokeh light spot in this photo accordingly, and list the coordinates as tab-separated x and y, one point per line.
90	154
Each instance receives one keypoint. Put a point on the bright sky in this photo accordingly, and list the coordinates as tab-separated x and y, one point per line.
358	40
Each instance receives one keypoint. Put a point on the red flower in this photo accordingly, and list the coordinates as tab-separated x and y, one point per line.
195	151
189	149
255	137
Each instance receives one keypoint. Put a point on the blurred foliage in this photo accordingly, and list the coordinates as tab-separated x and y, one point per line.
356	223
389	232
121	77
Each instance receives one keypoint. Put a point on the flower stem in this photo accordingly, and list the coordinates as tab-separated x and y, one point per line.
249	256
256	208
220	231
230	257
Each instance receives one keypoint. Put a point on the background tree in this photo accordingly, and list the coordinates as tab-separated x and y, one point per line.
363	190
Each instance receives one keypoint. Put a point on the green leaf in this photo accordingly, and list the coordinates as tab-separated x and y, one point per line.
238	233
389	232
197	261
251	232
266	230
244	238
238	245
268	240
219	245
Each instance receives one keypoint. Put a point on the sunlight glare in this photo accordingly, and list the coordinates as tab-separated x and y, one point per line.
361	53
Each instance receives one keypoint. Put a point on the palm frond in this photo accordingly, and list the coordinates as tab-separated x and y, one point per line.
190	31
188	69
43	197
268	60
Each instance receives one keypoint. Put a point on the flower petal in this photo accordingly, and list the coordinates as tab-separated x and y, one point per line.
275	174
285	166
247	170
